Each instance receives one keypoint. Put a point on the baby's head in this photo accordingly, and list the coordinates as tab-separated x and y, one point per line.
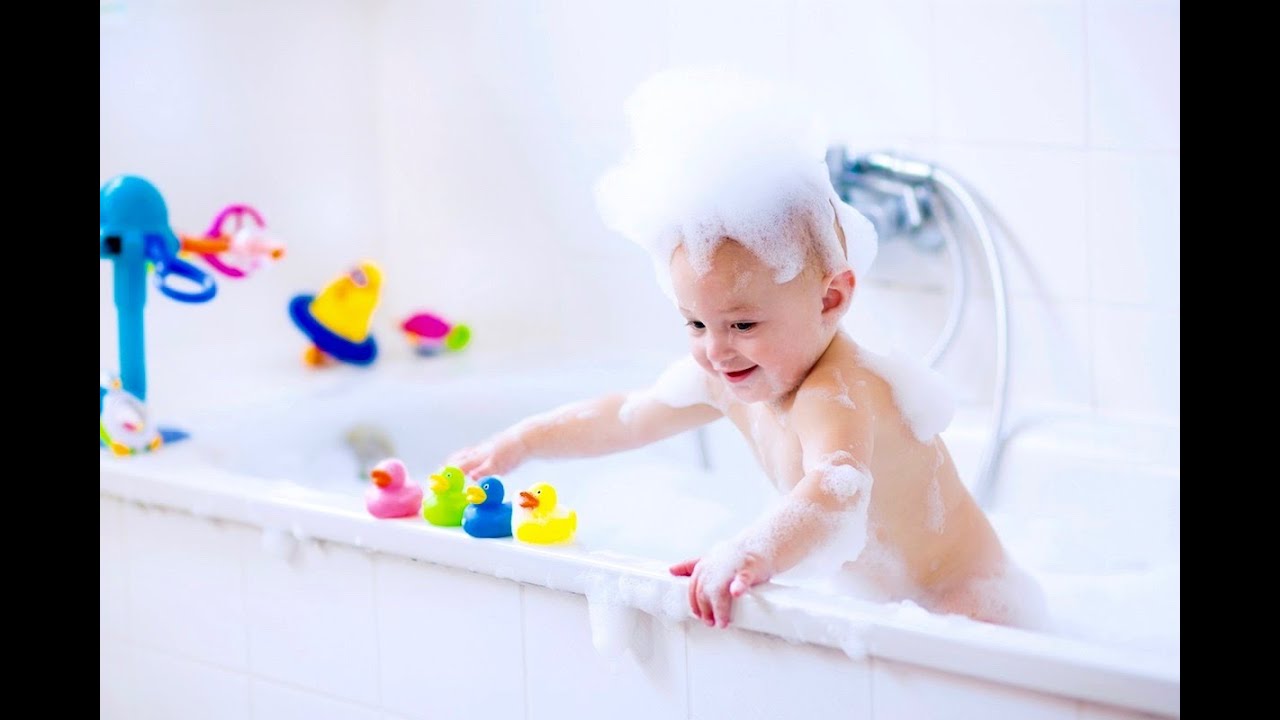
727	188
758	335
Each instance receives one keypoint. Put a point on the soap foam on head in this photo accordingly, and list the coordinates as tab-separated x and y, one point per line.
718	155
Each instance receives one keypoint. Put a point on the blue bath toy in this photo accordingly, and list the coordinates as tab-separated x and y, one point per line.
133	230
487	516
134	234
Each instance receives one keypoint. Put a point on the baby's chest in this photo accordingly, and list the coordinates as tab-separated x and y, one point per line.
776	446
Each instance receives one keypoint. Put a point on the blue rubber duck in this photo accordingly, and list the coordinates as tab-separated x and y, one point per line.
487	516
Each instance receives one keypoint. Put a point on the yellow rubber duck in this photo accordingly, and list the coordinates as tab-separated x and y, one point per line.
542	523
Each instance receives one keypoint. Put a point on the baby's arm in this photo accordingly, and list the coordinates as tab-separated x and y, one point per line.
823	517
598	426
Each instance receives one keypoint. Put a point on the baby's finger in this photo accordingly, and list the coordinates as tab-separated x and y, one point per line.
720	605
693	597
742	582
704	606
683	569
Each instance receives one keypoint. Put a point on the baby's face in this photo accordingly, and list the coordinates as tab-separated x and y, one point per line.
758	337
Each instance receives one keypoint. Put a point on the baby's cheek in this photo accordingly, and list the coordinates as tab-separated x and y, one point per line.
700	356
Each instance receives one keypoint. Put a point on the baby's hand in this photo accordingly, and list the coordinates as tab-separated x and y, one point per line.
498	455
714	581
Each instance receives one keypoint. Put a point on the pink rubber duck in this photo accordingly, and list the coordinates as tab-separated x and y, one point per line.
392	495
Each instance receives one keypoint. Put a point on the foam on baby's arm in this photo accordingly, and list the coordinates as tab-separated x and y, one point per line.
813	530
676	402
682	384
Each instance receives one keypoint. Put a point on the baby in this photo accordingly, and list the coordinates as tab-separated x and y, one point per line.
762	272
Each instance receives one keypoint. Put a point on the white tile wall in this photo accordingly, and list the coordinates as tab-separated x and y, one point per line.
1050	357
736	674
1135	228
908	692
1010	72
459	144
1137	360
186	585
428	612
169	686
1134	49
312	621
116	694
113	596
866	67
1038	209
273	701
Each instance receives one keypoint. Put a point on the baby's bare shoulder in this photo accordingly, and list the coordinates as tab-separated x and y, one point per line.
840	378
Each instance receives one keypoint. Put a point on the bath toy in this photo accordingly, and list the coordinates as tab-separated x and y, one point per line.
123	425
487	516
429	334
393	494
237	243
134	234
544	523
445	504
337	320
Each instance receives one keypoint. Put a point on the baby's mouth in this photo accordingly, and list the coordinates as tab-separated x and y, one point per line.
740	375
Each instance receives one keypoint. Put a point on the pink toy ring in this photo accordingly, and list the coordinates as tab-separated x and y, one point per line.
236	213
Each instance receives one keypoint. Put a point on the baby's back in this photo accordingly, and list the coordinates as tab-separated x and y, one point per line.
928	541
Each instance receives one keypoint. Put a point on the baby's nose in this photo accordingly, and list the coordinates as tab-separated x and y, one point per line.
719	350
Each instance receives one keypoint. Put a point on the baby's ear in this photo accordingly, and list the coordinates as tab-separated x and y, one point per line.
839	291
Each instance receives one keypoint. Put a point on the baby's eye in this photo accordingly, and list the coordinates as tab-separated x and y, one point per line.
743	326
696	325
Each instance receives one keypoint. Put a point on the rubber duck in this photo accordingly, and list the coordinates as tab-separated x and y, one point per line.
337	320
544	523
429	334
122	422
486	515
445	504
393	494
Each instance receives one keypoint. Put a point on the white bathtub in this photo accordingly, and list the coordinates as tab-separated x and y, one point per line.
242	578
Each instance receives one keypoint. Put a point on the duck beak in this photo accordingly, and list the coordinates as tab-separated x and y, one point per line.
527	501
439	484
381	478
475	495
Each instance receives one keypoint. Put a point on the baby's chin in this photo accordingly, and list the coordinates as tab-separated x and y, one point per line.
758	388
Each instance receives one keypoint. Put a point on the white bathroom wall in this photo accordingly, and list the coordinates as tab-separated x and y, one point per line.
235	101
458	143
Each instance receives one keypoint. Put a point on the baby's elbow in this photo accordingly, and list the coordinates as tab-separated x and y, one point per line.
843	485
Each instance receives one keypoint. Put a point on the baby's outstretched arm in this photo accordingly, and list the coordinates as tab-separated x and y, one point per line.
598	426
824	517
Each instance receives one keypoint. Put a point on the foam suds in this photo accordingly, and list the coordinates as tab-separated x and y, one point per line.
682	384
717	155
920	392
618	607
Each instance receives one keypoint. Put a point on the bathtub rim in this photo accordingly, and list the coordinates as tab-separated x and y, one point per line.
179	480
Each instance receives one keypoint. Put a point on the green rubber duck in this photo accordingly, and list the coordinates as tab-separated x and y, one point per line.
446	502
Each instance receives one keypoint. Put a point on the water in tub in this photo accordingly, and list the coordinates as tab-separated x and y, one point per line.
1109	579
